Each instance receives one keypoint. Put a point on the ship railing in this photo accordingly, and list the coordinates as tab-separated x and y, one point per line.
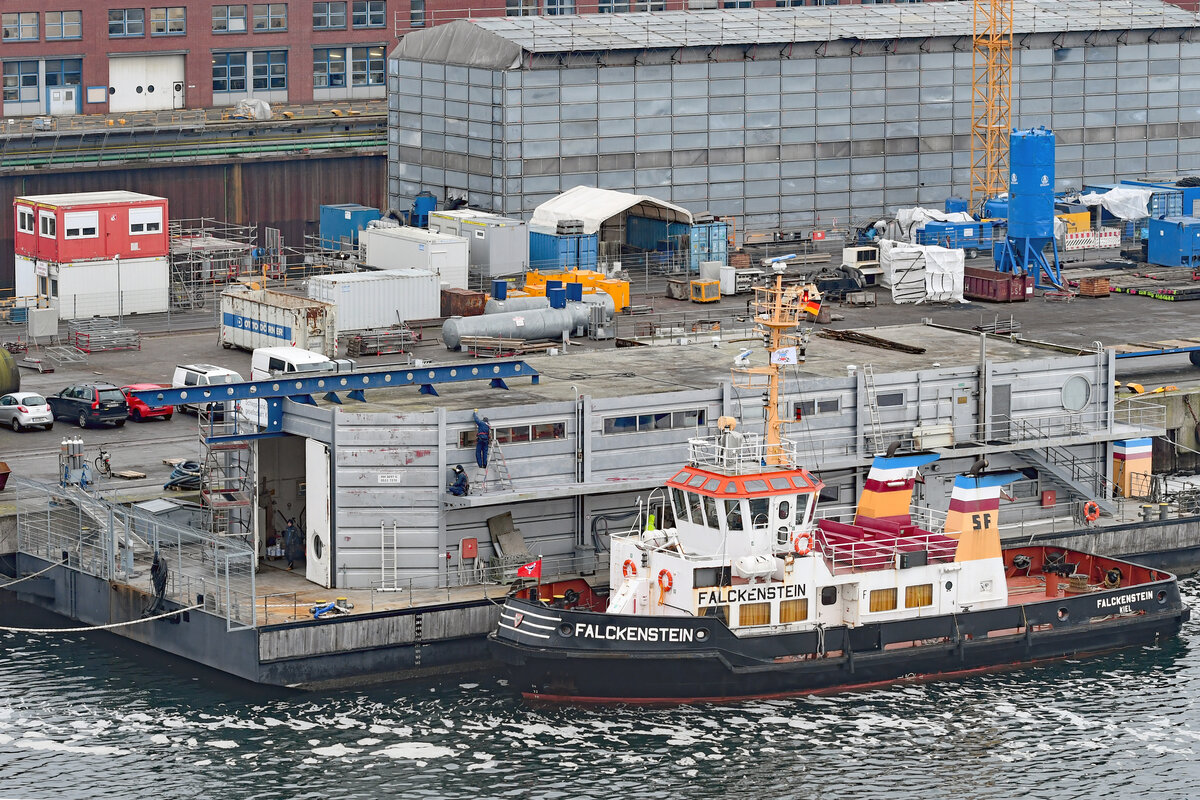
883	552
92	535
484	572
735	453
928	519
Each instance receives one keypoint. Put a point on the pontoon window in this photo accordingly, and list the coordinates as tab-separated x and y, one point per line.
710	512
733	514
680	503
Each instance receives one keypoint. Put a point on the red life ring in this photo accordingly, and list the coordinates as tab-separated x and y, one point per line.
1091	511
806	548
665	580
630	568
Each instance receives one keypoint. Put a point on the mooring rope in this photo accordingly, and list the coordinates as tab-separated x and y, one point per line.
31	575
100	627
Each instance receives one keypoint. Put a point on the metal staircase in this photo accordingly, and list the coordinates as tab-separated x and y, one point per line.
226	472
1079	475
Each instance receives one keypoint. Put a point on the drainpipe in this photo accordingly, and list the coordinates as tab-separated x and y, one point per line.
984	432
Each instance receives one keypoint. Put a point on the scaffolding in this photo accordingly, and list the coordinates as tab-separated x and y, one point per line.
226	472
206	255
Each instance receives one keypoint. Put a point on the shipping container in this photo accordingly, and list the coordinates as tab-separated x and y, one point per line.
1191	194
341	224
709	241
548	251
1163	202
107	288
415	248
497	245
659	235
969	236
90	225
252	318
378	299
1174	242
996	287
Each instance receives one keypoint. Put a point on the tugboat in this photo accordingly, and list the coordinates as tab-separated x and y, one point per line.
749	594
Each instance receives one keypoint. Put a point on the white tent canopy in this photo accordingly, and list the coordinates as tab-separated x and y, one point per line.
596	206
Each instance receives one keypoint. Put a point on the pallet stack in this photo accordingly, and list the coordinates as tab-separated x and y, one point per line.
1093	287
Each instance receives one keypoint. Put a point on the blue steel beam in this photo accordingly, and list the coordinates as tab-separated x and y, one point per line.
302	388
1166	351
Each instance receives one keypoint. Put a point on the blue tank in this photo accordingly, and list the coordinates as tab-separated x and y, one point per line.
1031	184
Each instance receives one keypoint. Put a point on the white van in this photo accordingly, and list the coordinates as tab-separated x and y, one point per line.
201	375
271	362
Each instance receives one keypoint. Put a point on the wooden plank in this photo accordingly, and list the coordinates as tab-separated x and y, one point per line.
129	474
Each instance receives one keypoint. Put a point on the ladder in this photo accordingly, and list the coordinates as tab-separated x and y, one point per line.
496	462
875	440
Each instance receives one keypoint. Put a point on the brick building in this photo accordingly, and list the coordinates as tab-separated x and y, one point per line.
90	56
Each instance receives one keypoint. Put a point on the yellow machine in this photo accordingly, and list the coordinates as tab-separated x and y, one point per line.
1077	222
706	291
593	281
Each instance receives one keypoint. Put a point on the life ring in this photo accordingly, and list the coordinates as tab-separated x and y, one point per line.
1091	511
806	548
630	568
665	580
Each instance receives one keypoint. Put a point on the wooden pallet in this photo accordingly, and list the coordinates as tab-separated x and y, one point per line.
1093	287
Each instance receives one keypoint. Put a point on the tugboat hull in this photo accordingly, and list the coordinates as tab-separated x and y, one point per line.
563	655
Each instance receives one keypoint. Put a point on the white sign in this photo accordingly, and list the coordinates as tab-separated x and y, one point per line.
784	355
519	322
41	268
391	477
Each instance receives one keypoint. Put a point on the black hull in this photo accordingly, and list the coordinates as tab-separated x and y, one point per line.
724	667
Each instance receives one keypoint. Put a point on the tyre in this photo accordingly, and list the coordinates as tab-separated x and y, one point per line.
135	415
16	425
49	426
82	419
119	423
972	253
1194	357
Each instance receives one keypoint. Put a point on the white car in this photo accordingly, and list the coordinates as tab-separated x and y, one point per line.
21	410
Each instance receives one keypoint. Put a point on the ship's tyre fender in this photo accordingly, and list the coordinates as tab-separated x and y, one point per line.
629	568
802	544
1091	511
665	580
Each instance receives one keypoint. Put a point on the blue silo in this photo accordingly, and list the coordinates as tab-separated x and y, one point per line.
1030	208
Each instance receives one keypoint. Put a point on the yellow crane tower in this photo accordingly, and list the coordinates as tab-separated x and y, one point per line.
991	98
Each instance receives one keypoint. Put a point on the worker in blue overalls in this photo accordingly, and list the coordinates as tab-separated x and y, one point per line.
460	486
483	439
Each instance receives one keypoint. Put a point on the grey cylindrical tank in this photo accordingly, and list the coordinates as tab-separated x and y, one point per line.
495	306
545	323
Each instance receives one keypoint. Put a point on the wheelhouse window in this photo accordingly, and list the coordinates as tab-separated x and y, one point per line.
710	512
656	421
733	514
760	511
679	501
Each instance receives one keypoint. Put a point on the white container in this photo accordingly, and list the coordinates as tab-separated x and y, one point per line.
728	280
416	248
106	288
253	318
498	245
378	299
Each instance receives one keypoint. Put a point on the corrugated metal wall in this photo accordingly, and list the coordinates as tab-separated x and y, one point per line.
286	194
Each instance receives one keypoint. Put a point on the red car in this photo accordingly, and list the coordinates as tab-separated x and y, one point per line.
139	411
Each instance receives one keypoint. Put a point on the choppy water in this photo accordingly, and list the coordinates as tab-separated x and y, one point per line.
86	718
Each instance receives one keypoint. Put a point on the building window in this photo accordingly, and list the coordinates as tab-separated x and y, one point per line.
366	66
21	81
126	22
49	224
649	5
613	6
170	21
64	72
270	70
658	421
146	220
22	27
329	16
229	72
25	223
270	17
737	4
890	399
918	596
517	434
520	8
789	3
229	19
329	68
81	224
369	13
64	25
883	600
793	610
556	8
416	13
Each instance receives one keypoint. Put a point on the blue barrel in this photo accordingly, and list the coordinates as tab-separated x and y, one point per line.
574	291
956	205
553	285
557	296
1031	184
499	290
995	209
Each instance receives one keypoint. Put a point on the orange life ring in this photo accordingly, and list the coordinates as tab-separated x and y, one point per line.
665	580
807	548
630	568
1091	511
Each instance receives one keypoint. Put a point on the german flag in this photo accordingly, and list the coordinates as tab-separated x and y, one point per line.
812	306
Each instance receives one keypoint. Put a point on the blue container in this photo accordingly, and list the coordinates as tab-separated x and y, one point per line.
545	251
957	235
574	291
342	222
499	290
556	295
1031	185
553	285
1190	195
654	234
995	208
587	250
709	242
550	252
423	203
956	205
1174	242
